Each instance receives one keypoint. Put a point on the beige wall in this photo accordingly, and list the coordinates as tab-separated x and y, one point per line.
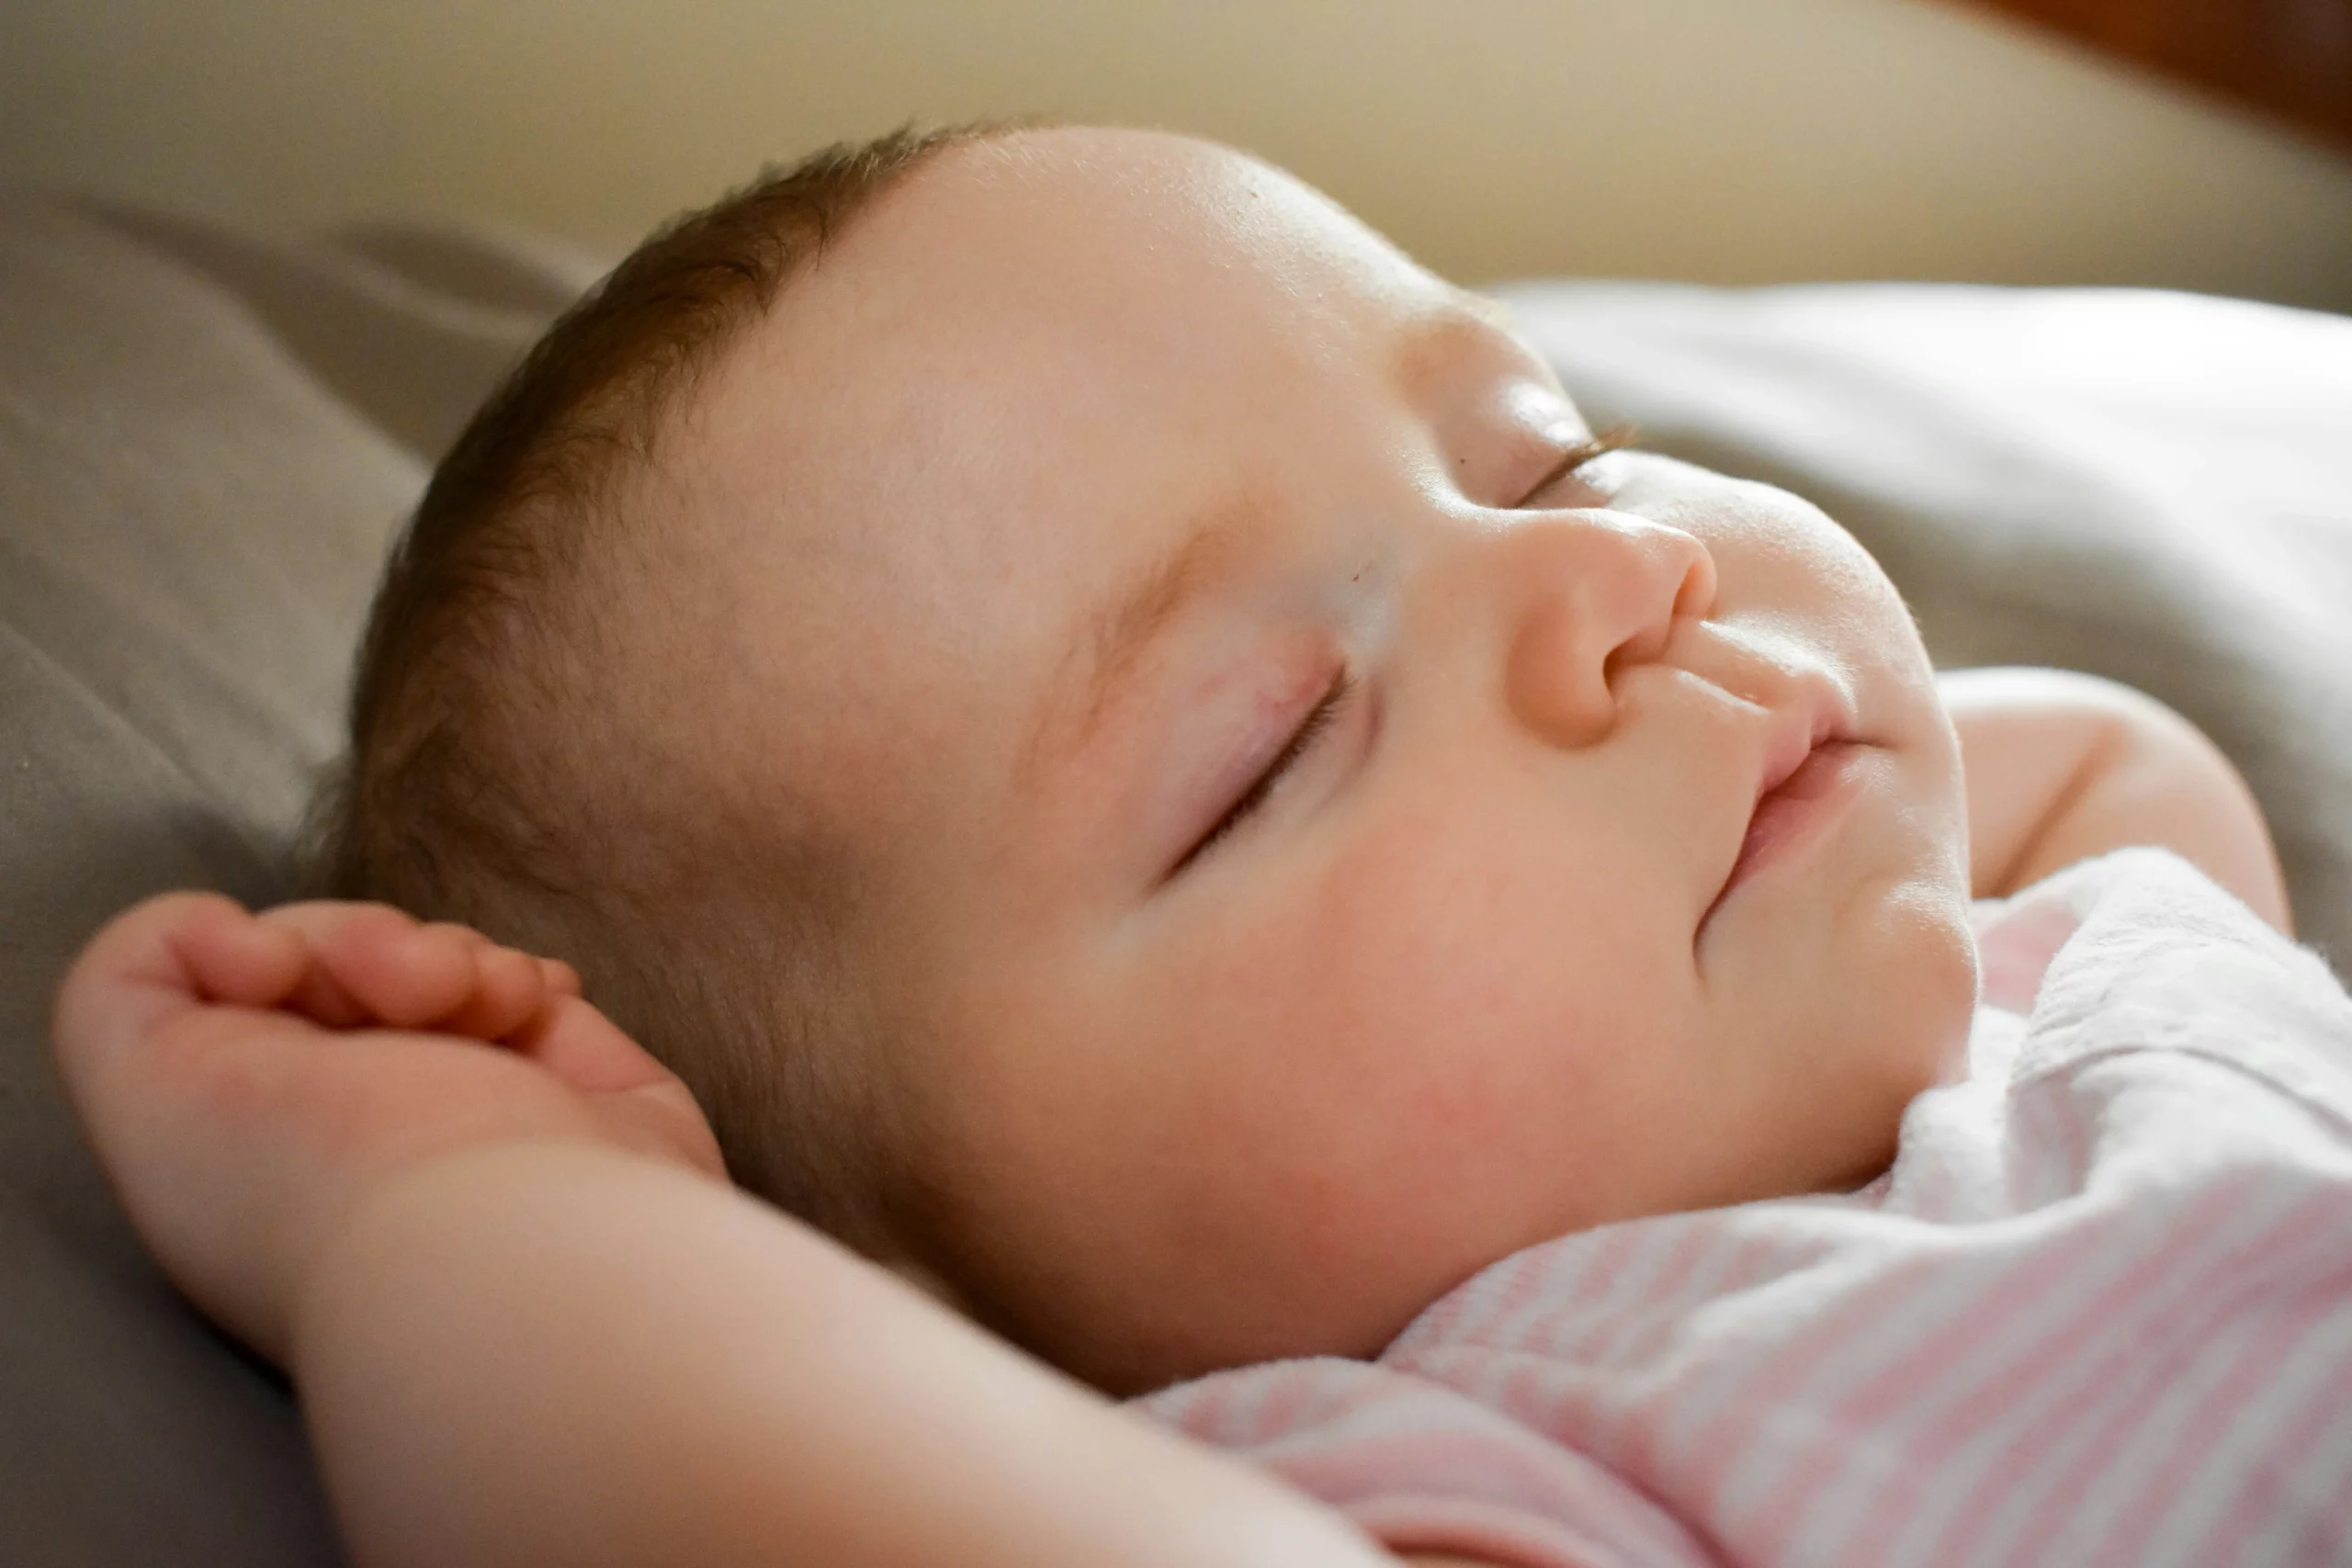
1719	139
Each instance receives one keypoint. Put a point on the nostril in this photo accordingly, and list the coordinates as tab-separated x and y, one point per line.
1597	594
1695	595
1610	666
1645	646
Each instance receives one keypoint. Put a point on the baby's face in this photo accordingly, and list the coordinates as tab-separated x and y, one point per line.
1313	820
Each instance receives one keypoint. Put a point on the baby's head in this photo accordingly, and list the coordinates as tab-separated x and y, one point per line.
1117	734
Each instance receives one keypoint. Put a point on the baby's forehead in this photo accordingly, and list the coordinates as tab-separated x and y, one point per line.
958	436
1004	306
1013	246
944	322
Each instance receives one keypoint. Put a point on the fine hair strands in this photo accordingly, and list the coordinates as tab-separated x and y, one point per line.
500	773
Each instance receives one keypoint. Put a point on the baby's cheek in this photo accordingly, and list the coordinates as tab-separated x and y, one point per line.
1460	1041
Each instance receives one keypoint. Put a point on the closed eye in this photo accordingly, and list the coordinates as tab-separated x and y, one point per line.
1609	440
1301	741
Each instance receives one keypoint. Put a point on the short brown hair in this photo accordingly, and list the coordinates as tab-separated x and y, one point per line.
490	780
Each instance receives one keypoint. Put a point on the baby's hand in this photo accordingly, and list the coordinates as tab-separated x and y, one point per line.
247	1078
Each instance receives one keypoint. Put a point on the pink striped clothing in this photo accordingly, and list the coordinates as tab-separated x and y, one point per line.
2099	1311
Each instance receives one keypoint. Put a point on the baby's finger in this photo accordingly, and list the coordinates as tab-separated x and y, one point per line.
161	957
509	988
321	998
371	963
172	959
562	979
230	956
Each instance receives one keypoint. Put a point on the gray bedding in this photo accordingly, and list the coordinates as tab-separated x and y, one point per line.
206	441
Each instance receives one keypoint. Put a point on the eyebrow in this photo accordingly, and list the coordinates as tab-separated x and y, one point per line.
1116	639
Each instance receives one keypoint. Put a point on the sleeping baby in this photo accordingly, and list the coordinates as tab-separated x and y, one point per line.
1137	793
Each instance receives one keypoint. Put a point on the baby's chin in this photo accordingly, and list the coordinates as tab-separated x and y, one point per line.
1917	1044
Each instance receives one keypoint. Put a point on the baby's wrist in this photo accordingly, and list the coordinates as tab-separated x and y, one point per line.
399	1230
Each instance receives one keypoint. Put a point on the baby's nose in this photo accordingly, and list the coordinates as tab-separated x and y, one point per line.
1595	593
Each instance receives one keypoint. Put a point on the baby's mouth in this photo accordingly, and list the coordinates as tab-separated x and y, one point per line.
1807	751
1782	810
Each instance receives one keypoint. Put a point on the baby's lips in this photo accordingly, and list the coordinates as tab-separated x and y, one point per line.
1813	722
1786	746
1814	714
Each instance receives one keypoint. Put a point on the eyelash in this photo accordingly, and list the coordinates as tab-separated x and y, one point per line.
1317	721
1311	730
1609	440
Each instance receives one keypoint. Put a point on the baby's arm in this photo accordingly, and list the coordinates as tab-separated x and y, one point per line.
2063	766
528	1323
550	1354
